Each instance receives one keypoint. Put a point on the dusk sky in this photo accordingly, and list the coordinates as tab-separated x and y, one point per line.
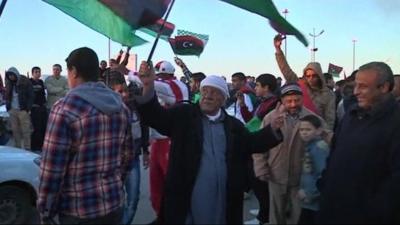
33	33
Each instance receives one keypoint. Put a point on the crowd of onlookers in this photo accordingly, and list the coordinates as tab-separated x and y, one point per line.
311	149
28	101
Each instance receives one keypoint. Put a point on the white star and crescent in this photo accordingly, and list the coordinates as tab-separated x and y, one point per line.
187	44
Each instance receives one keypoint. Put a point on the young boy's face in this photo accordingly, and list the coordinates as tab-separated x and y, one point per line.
308	132
260	90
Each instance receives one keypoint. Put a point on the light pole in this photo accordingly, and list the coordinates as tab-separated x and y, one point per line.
354	53
285	12
313	50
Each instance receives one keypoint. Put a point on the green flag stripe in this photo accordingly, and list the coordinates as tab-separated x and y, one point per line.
203	37
267	9
98	17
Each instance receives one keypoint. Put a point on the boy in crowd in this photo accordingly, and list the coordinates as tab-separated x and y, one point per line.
314	162
266	85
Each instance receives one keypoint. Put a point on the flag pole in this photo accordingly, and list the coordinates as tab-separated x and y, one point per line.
159	32
3	4
109	49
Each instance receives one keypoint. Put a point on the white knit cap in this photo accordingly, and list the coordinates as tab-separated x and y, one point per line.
164	67
217	82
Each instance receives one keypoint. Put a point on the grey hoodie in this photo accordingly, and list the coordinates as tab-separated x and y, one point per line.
100	96
19	93
12	70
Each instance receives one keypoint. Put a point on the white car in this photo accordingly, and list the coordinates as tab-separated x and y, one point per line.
19	183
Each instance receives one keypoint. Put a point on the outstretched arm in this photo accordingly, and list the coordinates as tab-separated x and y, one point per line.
286	71
126	58
150	110
185	70
119	56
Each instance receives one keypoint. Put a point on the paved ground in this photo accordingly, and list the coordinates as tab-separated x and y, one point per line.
145	213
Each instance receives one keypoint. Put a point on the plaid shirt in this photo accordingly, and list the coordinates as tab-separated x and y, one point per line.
86	154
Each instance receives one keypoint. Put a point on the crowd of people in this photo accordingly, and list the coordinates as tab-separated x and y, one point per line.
28	101
313	151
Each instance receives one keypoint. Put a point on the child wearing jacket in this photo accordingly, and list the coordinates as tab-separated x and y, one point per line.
314	162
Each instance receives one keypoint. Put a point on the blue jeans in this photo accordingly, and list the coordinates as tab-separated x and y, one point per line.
132	188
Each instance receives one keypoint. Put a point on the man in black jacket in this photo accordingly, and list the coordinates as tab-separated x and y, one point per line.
19	99
39	110
209	150
362	181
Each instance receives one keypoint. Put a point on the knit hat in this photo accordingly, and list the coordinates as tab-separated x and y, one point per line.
164	67
291	89
216	82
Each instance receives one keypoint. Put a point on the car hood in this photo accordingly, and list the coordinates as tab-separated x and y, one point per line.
12	152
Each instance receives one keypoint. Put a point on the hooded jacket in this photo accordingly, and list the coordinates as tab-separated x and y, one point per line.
89	137
22	86
323	98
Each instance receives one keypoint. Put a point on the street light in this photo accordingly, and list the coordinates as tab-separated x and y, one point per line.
354	53
285	12
313	50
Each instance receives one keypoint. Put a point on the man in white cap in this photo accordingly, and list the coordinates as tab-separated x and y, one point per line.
209	150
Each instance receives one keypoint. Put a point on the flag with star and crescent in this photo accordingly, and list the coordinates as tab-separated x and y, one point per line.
334	69
188	43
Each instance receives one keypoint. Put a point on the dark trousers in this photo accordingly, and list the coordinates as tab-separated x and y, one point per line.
307	216
111	218
261	192
39	123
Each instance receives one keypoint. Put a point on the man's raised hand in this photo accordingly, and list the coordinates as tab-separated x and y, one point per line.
278	116
278	40
147	75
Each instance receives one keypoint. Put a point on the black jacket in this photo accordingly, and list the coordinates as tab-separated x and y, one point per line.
183	125
25	92
362	181
39	93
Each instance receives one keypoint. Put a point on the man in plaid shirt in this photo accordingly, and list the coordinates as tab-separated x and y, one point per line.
87	150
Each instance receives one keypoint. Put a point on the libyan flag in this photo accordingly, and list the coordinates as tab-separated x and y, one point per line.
116	19
334	70
188	44
267	9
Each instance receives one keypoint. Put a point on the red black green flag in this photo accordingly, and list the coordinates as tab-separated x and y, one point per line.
116	19
187	45
334	70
